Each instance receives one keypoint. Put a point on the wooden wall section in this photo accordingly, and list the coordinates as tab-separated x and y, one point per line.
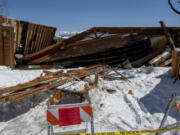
38	37
30	37
22	37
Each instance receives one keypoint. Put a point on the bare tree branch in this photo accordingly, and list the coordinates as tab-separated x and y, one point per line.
172	7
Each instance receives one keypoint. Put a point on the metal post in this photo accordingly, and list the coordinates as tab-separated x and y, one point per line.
168	107
92	120
49	125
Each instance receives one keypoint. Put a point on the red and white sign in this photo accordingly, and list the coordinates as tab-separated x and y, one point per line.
69	116
178	105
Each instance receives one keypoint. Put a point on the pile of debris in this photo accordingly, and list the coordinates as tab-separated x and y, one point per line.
52	80
108	46
28	45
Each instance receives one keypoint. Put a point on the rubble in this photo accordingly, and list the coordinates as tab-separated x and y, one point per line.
110	46
125	46
46	82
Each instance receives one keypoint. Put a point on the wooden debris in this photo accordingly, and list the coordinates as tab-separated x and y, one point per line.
130	92
96	80
58	95
168	36
49	81
160	58
31	67
127	64
166	63
56	98
142	61
33	83
111	91
123	77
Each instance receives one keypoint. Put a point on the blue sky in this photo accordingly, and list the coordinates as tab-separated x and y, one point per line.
78	15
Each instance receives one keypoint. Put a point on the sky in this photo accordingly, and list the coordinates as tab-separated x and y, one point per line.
79	15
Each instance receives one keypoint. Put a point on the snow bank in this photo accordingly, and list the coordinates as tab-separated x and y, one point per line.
143	109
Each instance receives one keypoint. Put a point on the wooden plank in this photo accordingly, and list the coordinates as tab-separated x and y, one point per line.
41	39
34	38
46	79
36	43
24	94
19	35
137	30
35	82
14	26
49	37
165	63
45	36
28	38
53	31
145	59
160	58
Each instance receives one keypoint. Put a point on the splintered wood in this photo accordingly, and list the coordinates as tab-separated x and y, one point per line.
176	64
162	59
48	81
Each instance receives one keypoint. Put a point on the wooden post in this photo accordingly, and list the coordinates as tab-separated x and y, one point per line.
8	38
176	64
1	43
11	42
168	36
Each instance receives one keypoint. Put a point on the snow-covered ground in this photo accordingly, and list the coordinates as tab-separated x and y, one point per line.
143	109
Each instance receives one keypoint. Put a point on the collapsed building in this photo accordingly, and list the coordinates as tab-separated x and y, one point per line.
28	45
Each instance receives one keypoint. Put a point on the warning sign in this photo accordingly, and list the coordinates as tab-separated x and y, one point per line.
179	107
69	116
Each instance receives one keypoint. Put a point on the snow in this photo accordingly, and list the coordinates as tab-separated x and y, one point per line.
65	34
142	110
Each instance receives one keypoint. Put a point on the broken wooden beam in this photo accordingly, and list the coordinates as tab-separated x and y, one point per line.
33	83
168	36
142	61
160	58
19	93
166	63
